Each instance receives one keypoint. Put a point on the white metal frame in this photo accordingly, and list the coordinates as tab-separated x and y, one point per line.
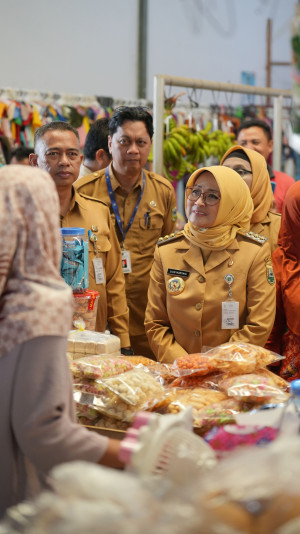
160	80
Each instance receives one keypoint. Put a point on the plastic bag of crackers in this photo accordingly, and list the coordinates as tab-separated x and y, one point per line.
120	396
236	358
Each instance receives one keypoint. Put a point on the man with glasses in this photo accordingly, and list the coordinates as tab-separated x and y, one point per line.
142	204
57	150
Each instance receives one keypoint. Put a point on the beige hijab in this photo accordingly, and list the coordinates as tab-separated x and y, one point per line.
34	300
261	190
234	212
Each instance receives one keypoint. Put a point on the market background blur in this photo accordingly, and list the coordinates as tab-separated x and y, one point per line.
106	54
92	48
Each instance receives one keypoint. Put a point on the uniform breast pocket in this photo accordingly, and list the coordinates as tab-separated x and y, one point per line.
150	229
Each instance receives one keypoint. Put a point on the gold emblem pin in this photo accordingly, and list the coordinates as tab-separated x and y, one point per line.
175	285
94	228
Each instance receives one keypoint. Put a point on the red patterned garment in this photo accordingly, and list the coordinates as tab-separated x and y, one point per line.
290	366
285	336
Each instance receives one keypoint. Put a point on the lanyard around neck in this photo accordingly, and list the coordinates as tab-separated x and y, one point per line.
115	205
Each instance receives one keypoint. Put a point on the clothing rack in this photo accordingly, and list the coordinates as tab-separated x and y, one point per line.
161	80
48	98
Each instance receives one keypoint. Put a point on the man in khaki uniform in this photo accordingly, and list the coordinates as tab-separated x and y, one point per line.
142	204
57	151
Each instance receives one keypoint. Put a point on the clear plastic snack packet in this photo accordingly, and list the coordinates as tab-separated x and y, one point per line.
251	387
97	366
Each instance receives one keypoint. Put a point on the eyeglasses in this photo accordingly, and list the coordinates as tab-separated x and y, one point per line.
209	198
243	172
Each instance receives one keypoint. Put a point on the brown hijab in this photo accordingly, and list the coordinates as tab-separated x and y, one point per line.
286	258
34	300
261	190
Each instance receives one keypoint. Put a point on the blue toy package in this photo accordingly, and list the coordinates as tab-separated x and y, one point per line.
75	258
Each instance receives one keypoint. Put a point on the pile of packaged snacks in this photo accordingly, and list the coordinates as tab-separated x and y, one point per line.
218	384
235	370
114	388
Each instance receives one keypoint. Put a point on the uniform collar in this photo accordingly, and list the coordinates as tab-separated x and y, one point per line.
192	254
115	184
76	199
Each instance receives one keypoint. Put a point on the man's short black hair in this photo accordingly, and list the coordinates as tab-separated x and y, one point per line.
256	123
54	125
130	113
97	137
20	153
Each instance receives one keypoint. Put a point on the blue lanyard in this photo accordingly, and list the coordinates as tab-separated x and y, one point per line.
115	205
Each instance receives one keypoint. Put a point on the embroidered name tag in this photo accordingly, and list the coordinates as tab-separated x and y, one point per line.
177	272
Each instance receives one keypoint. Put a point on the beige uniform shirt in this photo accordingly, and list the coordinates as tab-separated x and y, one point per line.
155	217
269	227
93	215
179	324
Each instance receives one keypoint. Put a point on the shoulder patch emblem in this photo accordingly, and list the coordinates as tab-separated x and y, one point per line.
168	238
269	271
261	239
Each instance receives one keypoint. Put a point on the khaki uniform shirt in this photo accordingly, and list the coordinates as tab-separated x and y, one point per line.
112	306
179	324
269	227
155	217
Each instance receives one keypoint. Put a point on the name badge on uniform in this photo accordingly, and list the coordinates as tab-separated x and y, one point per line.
99	271
126	261
230	315
230	308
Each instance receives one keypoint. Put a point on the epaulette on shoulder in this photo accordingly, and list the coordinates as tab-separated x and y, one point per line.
87	178
160	179
168	238
260	239
93	199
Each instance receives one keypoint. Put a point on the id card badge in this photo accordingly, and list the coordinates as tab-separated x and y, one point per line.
126	261
230	315
99	271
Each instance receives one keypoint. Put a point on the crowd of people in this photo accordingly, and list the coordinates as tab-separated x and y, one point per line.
163	293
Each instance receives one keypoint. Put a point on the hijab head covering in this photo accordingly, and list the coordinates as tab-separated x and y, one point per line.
286	258
34	299
234	214
261	189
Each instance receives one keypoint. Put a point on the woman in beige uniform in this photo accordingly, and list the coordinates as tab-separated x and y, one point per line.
252	167
213	282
